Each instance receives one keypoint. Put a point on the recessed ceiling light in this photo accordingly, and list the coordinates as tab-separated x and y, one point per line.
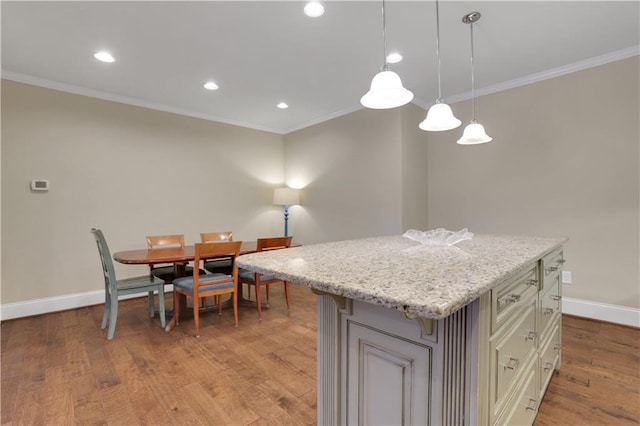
314	9
282	105
104	56
210	85
394	58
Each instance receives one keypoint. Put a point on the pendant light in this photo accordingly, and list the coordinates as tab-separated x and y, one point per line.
474	132
386	87
439	117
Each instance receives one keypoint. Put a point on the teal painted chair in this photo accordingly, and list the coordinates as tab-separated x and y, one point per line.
258	280
200	286
114	287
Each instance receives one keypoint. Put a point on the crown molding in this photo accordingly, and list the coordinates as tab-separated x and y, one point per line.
83	91
331	116
507	85
546	75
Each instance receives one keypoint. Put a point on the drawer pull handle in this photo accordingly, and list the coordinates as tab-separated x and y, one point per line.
548	311
551	269
561	261
556	297
548	365
512	364
531	336
556	346
513	298
533	405
532	281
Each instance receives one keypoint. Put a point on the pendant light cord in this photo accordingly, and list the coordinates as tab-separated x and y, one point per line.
384	40
438	50
473	85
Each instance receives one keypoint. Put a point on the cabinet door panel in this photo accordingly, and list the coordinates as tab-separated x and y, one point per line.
508	299
550	303
551	266
524	406
388	379
511	351
550	355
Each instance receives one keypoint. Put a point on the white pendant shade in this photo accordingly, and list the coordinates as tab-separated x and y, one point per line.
474	134
439	117
386	92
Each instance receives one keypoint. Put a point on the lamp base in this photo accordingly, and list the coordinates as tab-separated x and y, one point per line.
286	221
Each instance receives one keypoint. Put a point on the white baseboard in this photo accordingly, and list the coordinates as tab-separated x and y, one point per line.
59	303
601	311
582	308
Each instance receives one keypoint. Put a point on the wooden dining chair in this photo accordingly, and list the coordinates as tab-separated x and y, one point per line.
200	286
114	287
224	265
258	280
158	242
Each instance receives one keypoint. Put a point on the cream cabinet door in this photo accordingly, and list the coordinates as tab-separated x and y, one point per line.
388	379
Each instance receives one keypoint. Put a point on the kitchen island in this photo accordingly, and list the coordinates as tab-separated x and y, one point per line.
416	334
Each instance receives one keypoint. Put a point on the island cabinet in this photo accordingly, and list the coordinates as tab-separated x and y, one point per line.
413	335
524	341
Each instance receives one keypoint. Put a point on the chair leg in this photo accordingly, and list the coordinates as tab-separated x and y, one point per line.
113	317
267	288
176	306
258	303
161	309
286	293
196	316
219	299
152	310
235	307
107	307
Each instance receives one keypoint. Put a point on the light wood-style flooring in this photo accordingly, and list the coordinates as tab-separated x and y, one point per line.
59	369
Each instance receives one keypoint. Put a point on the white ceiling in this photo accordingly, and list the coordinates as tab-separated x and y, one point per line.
261	53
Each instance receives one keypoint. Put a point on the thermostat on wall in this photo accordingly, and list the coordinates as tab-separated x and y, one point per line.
39	185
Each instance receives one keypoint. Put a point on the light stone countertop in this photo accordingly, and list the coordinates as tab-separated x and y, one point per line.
399	273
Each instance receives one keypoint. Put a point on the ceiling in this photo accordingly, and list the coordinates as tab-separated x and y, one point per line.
261	53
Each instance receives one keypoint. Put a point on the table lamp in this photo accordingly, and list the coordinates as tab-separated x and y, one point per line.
286	197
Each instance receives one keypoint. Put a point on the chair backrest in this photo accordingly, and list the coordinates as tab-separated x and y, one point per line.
205	251
211	237
273	243
105	258
165	241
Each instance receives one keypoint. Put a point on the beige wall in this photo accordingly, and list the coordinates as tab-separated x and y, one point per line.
414	169
364	175
563	161
351	169
128	170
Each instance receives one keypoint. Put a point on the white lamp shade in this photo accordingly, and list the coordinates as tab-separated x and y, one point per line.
386	92
439	117
474	134
286	197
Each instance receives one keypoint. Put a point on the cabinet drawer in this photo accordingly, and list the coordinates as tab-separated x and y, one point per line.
550	304
550	355
551	266
510	352
508	299
523	408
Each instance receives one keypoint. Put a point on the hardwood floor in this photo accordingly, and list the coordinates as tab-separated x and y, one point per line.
60	369
599	381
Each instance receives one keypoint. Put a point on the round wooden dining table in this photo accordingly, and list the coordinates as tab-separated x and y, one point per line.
173	255
179	256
